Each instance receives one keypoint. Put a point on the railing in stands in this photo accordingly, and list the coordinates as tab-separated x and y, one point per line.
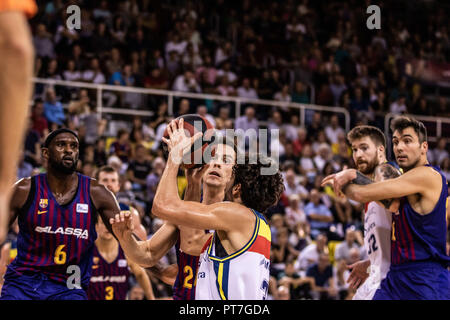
238	101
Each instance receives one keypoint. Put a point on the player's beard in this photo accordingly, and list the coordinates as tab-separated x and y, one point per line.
370	166
59	166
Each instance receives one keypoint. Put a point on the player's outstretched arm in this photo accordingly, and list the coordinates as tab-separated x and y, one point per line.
145	253
420	180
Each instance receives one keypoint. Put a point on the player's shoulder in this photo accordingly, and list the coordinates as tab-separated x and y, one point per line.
23	185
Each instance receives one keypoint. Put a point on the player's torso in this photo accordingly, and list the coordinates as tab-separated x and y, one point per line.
185	283
53	237
377	242
377	237
109	280
238	276
417	237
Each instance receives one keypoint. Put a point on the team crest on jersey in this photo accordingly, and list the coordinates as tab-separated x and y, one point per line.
82	208
43	203
122	263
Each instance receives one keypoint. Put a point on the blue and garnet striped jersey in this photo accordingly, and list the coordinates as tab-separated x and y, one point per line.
417	237
53	237
184	287
109	281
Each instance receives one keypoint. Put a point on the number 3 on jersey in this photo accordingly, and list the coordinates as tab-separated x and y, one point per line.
188	275
372	244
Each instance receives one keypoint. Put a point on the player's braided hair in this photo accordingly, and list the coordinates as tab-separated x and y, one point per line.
258	191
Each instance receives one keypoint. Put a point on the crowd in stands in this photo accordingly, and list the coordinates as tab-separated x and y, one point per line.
273	50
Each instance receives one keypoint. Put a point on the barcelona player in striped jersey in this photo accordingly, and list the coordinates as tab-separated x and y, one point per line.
57	213
235	263
419	260
111	270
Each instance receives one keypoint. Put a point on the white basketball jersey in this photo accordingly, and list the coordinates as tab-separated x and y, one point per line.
243	275
377	241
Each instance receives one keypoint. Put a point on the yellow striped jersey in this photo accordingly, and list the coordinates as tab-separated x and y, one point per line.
243	275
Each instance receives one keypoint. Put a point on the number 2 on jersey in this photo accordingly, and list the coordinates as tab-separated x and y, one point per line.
372	244
189	274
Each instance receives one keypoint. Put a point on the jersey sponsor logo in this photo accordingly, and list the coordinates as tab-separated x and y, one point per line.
77	232
43	203
82	208
122	263
116	279
41	212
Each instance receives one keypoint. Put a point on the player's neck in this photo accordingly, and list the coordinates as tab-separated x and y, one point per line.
213	195
60	182
106	245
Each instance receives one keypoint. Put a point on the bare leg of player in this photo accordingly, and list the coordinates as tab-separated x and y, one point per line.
16	69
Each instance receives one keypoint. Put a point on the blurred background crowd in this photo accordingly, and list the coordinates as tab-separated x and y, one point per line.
300	51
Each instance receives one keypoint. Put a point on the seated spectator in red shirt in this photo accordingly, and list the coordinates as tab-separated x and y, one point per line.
156	80
40	123
122	147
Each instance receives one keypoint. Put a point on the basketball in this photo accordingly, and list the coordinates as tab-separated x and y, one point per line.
194	123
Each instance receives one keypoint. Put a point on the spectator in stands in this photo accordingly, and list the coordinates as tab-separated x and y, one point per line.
281	252
139	168
399	105
246	91
43	43
156	80
153	178
295	213
342	251
283	95
333	130
122	147
184	107
186	83
310	255
226	72
71	74
247	121
53	109
32	146
300	94
438	154
94	74
323	287
40	123
203	111
319	216
299	287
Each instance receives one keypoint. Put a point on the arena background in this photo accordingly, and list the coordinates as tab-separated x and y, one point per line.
312	69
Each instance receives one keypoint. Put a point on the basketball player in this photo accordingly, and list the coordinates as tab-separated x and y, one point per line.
368	145
418	245
191	241
57	213
110	278
235	262
110	272
16	65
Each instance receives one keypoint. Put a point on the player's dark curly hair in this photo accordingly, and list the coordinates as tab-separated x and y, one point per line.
258	191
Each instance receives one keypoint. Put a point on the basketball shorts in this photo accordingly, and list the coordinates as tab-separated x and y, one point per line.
415	281
26	6
37	286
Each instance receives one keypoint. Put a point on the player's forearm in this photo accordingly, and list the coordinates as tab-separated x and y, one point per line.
166	198
144	281
193	191
16	63
137	251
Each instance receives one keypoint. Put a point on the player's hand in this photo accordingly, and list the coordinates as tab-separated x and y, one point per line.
178	143
195	175
358	274
339	180
122	224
